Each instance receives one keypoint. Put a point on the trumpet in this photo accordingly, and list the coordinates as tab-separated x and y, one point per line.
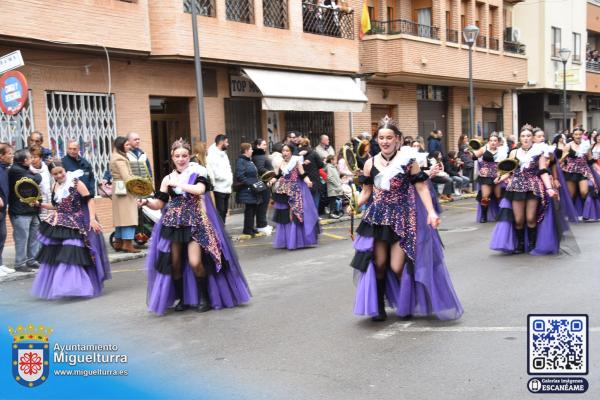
476	144
507	166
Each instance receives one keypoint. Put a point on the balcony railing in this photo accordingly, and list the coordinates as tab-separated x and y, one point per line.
327	21
240	11
275	13
481	41
398	26
452	35
514	47
203	7
494	44
593	66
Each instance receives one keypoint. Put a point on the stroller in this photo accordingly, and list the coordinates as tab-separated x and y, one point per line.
146	218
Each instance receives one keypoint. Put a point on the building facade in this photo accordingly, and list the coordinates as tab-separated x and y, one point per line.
102	68
417	63
546	27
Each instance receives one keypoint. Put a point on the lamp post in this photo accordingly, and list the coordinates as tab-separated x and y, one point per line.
198	70
564	57
470	35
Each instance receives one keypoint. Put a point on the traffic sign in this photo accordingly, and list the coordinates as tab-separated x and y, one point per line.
13	92
11	61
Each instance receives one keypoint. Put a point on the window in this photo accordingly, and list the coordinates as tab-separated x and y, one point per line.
203	7
553	99
240	11
87	117
14	129
434	93
275	13
465	116
576	47
390	14
556	43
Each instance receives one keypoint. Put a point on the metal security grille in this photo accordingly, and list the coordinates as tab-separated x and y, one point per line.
87	117
311	125
275	13
15	129
240	11
203	7
327	21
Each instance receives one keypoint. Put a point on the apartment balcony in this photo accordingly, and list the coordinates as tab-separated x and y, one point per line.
592	78
400	26
282	33
593	16
118	25
418	58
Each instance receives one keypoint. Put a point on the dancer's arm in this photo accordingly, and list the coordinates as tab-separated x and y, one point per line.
84	192
160	198
432	218
545	176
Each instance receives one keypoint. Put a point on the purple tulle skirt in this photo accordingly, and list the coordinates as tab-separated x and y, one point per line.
492	211
295	235
227	286
57	280
425	287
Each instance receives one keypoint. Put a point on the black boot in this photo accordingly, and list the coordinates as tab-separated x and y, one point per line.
531	238
520	241
180	306
484	212
203	300
381	316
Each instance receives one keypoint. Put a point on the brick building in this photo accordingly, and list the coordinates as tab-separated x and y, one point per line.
105	67
418	66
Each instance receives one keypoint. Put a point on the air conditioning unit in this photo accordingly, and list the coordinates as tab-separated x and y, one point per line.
516	34
512	34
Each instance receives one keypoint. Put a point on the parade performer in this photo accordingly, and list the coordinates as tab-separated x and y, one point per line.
581	183
399	254
529	218
558	179
190	259
296	217
73	259
489	193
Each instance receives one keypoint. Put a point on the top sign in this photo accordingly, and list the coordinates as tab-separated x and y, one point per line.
11	61
243	87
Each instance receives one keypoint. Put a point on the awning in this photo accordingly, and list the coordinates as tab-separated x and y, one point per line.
559	115
297	91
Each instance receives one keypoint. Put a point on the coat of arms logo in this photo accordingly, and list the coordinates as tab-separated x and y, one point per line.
30	354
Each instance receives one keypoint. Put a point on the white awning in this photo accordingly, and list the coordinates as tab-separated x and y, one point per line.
297	91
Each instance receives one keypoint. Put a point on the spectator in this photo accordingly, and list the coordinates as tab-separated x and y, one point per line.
6	159
453	166
434	143
39	167
246	175
293	140
73	161
466	157
36	139
124	205
219	170
442	176
276	157
139	162
263	165
23	217
312	164
324	149
374	146
335	191
199	155
363	153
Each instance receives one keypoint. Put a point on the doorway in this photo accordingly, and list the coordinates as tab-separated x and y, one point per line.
170	120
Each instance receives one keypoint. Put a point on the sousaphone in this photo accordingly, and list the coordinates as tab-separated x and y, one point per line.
507	166
475	144
140	187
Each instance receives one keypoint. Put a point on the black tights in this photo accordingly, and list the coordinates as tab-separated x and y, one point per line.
388	254
194	259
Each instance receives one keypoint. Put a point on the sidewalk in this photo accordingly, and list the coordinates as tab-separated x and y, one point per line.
234	226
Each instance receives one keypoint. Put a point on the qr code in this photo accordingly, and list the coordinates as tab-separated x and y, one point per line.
557	344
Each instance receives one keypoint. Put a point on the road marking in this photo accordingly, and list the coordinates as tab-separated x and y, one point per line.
465	207
406	327
331	235
128	270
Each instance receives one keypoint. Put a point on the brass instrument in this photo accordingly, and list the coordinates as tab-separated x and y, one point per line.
28	191
140	187
347	153
507	166
476	144
267	176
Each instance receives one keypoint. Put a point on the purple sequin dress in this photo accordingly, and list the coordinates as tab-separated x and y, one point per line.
425	288
296	217
73	259
576	169
188	218
487	171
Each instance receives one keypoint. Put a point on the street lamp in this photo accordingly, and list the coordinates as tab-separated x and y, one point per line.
198	73
564	57
470	36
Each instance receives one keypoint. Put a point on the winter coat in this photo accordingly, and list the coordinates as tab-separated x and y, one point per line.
246	174
71	164
261	161
15	205
324	152
125	211
465	156
312	168
434	144
334	183
219	169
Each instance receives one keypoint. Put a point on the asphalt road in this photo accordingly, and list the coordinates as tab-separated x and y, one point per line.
298	338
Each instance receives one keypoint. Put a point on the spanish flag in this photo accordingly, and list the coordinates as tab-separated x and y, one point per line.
365	21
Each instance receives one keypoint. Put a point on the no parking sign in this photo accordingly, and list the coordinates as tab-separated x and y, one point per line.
13	92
